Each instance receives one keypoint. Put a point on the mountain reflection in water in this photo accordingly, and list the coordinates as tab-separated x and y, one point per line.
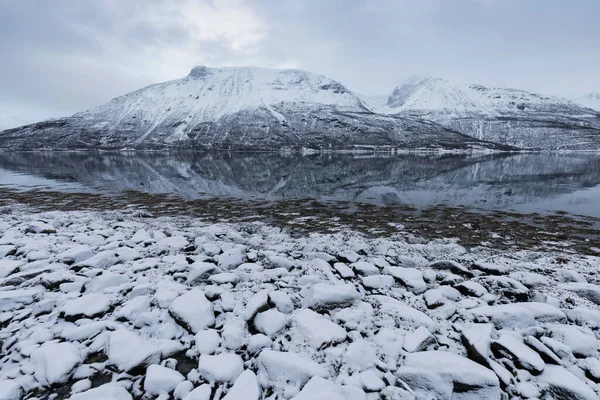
523	182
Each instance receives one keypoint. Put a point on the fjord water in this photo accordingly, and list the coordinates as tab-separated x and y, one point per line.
525	182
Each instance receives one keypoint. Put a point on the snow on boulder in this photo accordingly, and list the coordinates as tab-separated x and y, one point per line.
344	271
491	269
10	390
7	267
378	282
365	268
349	256
584	316
40	227
161	380
245	387
128	351
511	346
11	299
235	333
232	258
132	309
282	301
504	315
101	260
202	392
201	272
257	303
106	280
320	389
452	266
107	391
412	278
280	262
418	340
443	375
270	322
581	341
172	243
87	306
560	384
403	314
207	341
470	288
193	311
224	367
324	296
318	330
477	339
587	291
55	362
279	369
543	312
75	254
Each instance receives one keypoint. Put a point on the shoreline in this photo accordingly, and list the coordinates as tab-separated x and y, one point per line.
349	313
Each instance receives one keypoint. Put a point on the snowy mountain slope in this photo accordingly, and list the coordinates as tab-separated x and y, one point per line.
508	116
589	100
265	109
236	108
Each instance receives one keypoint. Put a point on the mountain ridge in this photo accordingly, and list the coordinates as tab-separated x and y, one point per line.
237	108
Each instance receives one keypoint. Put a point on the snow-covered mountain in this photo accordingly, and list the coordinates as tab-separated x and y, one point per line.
589	100
265	109
508	116
237	108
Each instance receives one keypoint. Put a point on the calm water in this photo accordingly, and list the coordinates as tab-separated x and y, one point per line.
522	182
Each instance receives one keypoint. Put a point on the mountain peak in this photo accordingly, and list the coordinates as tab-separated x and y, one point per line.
410	87
199	71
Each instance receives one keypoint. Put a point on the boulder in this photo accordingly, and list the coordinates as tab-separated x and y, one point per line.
446	376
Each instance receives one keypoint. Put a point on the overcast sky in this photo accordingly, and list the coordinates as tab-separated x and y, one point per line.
62	56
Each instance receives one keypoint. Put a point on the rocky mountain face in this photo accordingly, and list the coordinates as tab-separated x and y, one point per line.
508	116
265	109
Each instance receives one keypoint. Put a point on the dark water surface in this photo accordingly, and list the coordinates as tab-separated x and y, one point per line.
536	182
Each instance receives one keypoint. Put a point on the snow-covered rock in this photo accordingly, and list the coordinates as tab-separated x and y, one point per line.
207	341
128	351
224	367
246	387
412	278
318	330
270	322
10	390
280	368
161	380
418	340
447	376
86	306
55	362
107	391
319	388
523	356
558	383
323	296
193	311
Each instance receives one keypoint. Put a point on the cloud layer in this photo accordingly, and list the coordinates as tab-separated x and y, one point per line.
63	56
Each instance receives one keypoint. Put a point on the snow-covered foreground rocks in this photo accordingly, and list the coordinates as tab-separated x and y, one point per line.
110	306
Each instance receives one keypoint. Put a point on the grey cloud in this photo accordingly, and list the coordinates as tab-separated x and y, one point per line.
63	56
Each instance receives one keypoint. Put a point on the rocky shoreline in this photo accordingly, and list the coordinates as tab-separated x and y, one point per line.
100	304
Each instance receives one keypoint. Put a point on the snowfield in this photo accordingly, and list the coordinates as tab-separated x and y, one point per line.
112	306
